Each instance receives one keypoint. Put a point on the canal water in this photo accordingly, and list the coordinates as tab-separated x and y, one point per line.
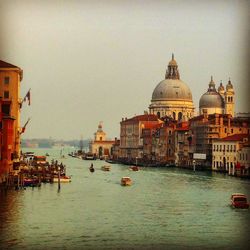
165	208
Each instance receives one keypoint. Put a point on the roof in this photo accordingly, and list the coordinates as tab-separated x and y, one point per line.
4	64
182	128
146	117
236	137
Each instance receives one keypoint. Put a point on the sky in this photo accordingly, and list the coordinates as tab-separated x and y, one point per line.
92	61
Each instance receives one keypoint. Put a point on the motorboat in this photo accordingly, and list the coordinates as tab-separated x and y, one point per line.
239	200
106	168
63	179
134	168
126	181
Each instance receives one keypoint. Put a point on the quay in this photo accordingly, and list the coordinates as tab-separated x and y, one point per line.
32	171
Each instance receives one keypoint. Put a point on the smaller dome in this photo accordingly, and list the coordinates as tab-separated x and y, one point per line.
211	100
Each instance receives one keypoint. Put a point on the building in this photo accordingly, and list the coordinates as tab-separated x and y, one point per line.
204	129
226	153
10	103
243	160
100	146
172	97
131	142
220	102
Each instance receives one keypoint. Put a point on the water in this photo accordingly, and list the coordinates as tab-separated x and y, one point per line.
164	209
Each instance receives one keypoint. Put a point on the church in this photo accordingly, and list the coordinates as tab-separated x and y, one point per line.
173	98
219	101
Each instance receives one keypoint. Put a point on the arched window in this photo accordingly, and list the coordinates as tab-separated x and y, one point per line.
174	116
158	114
179	116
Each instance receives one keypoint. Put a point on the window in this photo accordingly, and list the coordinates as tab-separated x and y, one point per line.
6	94
232	130
6	109
225	130
6	80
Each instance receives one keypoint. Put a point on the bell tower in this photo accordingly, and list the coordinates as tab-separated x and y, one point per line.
229	99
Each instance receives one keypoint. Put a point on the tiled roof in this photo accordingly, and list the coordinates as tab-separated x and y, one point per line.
236	137
4	64
147	117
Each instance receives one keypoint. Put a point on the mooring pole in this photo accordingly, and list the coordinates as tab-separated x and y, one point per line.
59	181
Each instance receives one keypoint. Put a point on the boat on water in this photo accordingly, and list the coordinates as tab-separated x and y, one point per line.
106	168
126	181
63	179
91	168
90	156
134	168
30	182
239	200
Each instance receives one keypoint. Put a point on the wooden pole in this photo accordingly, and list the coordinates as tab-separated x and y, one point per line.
59	181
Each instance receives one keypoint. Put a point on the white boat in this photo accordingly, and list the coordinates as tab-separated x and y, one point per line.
63	179
106	168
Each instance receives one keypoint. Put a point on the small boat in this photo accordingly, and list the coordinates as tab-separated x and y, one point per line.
63	179
30	182
91	168
134	168
106	168
126	181
239	200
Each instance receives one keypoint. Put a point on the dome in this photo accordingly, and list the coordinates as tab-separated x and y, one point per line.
172	89
211	100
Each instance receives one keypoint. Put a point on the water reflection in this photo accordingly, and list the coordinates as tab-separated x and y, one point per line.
163	209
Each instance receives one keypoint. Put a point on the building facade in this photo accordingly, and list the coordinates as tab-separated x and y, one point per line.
10	103
131	142
227	153
100	146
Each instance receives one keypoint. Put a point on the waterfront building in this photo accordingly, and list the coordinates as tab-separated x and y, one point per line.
204	129
172	97
182	145
226	153
115	150
243	160
131	142
10	102
220	102
163	142
100	146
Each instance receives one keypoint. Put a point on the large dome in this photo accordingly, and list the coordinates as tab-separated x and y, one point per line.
211	100
172	89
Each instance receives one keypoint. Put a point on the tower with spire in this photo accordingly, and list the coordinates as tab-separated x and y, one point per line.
229	98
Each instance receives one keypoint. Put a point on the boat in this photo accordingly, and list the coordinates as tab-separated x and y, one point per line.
90	156
239	200
126	181
63	179
91	168
106	168
30	182
134	168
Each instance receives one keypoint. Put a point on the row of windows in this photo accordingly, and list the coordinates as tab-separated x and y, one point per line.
243	157
229	148
221	164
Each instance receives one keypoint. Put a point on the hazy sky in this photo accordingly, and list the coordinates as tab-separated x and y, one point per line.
91	61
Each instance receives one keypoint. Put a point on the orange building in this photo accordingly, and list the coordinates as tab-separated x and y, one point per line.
10	78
